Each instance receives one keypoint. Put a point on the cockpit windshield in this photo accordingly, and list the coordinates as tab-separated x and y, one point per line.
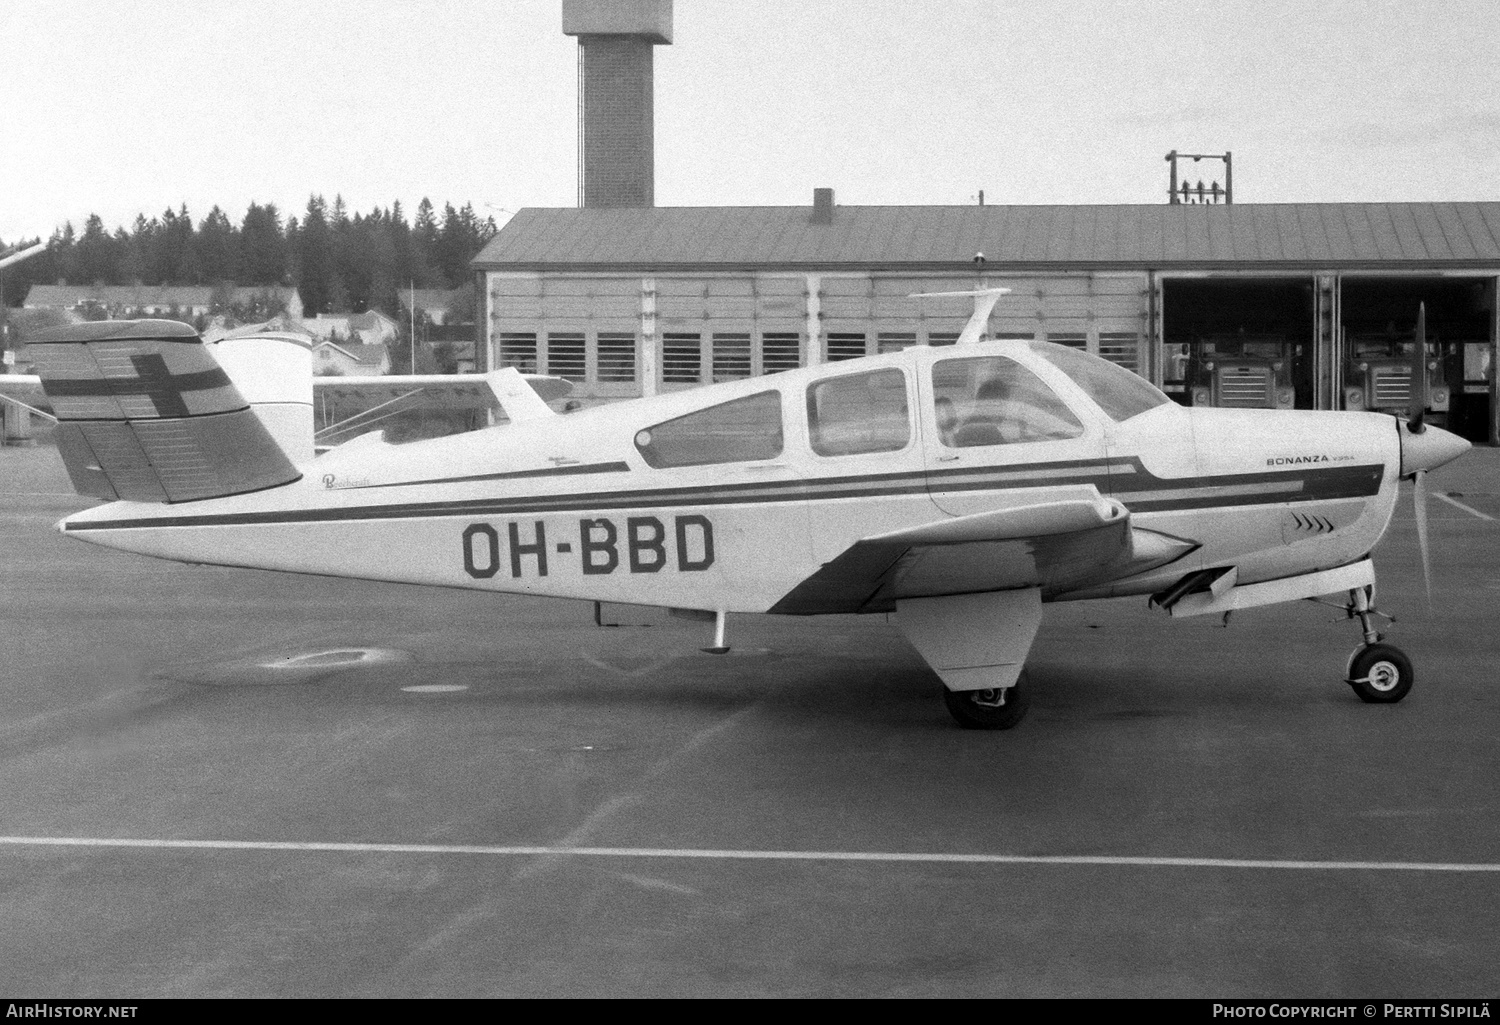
1117	391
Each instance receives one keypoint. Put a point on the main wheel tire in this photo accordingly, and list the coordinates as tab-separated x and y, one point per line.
1380	674
981	710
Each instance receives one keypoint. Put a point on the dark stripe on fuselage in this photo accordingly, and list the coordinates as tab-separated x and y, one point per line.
1126	479
554	471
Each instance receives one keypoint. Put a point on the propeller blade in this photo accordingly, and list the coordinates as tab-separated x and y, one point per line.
1416	407
1419	496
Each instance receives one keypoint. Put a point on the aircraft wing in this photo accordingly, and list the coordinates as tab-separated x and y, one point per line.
24	390
1058	539
354	405
429	391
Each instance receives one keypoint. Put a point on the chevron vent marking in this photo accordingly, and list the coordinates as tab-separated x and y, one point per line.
1316	524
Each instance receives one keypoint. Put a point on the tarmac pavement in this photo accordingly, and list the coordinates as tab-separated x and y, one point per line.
529	805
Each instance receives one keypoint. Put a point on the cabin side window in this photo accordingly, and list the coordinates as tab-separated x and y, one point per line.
740	431
992	400
859	413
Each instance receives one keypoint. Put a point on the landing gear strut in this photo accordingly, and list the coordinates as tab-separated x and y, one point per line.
1380	674
977	645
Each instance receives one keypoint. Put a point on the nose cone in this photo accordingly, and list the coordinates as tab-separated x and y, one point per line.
1429	449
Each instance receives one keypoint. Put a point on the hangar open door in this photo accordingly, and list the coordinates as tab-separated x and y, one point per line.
1245	342
1379	318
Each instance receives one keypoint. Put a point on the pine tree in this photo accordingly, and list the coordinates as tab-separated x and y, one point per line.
218	248
263	256
452	246
129	267
424	237
143	240
338	261
314	261
345	289
382	258
176	255
64	254
96	254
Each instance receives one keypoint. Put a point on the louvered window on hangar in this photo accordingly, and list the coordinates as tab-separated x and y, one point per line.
1072	339
519	351
894	341
681	358
616	357
780	350
1122	348
567	355
731	356
942	338
845	345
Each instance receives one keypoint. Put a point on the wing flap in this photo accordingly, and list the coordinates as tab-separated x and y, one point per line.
1076	538
1063	510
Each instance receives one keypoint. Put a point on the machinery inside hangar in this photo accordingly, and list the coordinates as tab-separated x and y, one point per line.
1378	321
1331	342
1239	342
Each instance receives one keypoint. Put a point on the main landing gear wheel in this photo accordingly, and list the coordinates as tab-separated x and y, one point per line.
999	709
1380	674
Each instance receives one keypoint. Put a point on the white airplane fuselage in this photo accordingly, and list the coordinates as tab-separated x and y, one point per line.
568	506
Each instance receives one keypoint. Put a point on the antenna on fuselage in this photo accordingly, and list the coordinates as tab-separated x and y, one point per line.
984	303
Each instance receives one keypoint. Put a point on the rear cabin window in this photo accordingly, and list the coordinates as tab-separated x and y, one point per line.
859	413
740	431
992	400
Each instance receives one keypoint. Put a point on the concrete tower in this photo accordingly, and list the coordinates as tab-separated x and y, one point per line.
616	135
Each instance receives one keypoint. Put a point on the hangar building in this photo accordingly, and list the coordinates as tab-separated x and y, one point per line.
1309	306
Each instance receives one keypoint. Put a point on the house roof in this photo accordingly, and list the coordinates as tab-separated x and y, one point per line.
370	355
1274	234
140	295
369	319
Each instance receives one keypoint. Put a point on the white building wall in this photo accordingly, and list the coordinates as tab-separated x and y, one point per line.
690	329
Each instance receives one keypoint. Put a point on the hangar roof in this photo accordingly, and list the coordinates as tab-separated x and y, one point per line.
1271	235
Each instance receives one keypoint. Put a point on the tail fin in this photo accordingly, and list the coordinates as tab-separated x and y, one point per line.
146	414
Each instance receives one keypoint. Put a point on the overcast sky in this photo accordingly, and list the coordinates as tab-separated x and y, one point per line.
122	108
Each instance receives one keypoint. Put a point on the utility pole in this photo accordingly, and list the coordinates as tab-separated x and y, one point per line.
1187	192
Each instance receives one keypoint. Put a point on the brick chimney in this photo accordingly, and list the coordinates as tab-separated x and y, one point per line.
822	212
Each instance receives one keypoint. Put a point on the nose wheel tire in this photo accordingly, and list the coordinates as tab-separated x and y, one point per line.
989	709
1380	674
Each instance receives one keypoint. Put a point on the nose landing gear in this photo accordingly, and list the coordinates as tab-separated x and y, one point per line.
1380	674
